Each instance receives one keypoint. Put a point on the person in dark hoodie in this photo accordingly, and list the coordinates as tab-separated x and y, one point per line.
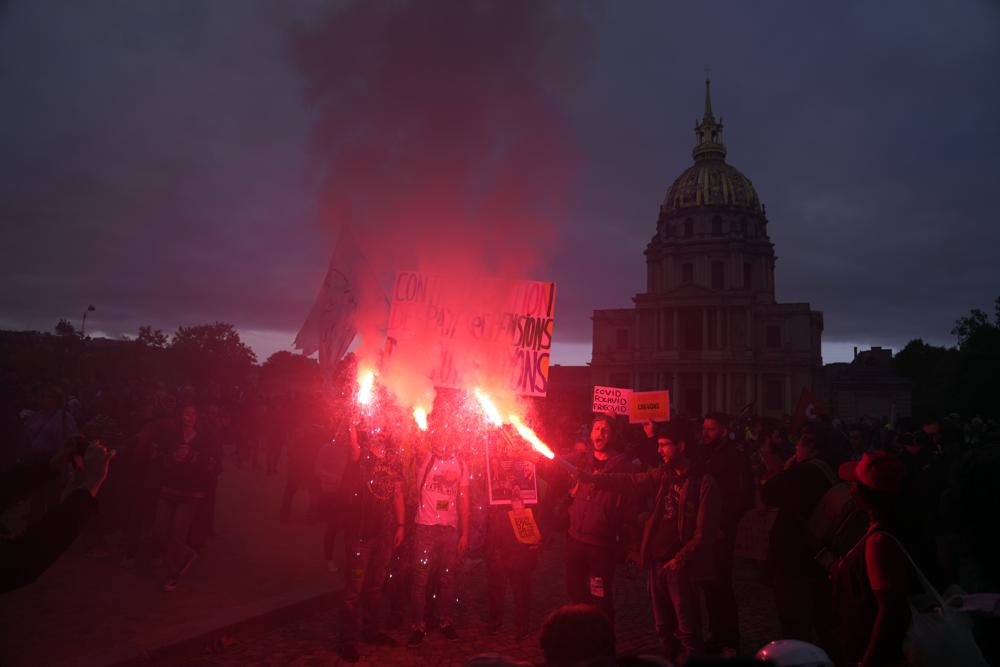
677	538
187	476
596	524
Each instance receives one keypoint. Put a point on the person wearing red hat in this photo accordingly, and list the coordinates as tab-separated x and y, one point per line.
873	581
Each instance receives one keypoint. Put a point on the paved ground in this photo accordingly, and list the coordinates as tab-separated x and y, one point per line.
312	641
89	611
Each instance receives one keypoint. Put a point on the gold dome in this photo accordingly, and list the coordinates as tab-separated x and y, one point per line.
711	183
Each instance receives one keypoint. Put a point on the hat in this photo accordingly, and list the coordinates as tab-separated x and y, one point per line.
876	470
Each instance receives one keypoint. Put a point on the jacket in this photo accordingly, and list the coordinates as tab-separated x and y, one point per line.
731	471
699	506
597	516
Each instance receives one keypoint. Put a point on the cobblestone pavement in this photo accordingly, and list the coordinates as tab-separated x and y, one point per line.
312	641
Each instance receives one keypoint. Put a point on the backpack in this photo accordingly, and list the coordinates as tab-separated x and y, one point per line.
836	523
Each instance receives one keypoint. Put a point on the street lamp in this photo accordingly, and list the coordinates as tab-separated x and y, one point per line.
83	325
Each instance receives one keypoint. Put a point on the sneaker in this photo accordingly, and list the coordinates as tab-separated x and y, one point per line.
416	638
349	653
448	630
378	639
170	585
187	565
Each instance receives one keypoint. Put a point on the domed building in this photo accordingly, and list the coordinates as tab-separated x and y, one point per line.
708	328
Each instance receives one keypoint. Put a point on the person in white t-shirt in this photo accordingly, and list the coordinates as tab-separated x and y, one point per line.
441	531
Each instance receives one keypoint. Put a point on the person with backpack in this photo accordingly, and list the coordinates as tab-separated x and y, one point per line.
677	538
887	611
801	588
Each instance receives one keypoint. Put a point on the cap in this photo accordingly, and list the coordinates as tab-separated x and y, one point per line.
876	470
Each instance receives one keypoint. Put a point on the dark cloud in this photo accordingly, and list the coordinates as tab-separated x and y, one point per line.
153	159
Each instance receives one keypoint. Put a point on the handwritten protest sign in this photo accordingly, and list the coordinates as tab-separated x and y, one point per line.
509	473
474	327
649	406
612	400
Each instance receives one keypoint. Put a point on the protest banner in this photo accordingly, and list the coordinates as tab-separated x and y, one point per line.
507	470
473	328
612	400
649	406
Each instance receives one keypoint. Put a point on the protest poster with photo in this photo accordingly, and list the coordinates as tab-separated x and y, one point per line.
507	470
612	400
471	328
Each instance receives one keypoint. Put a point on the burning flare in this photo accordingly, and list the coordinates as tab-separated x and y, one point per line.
525	432
366	385
420	416
489	407
493	415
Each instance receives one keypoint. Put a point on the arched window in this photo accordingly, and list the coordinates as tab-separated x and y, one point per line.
743	227
688	228
716	226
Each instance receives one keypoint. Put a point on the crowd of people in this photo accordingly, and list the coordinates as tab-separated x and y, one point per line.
868	516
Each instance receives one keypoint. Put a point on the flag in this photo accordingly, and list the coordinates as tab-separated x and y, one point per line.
807	409
329	328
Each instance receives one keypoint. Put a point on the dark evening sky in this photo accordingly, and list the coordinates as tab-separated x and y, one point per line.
182	162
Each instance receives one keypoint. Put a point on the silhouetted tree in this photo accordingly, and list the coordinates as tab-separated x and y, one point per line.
963	379
212	352
932	370
151	337
979	362
65	328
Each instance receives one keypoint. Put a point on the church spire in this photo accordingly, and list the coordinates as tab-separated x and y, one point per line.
708	96
708	131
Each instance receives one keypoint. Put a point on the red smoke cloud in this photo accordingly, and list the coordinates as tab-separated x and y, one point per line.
444	141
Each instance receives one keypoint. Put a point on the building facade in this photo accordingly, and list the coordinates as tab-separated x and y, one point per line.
708	327
868	387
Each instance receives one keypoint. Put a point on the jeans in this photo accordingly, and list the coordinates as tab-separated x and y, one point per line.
367	564
171	531
434	547
590	575
676	611
720	598
497	576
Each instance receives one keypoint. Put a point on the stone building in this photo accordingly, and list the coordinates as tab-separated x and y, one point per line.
707	327
868	387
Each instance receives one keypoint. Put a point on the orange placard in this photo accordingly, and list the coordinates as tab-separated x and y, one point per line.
525	529
649	406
